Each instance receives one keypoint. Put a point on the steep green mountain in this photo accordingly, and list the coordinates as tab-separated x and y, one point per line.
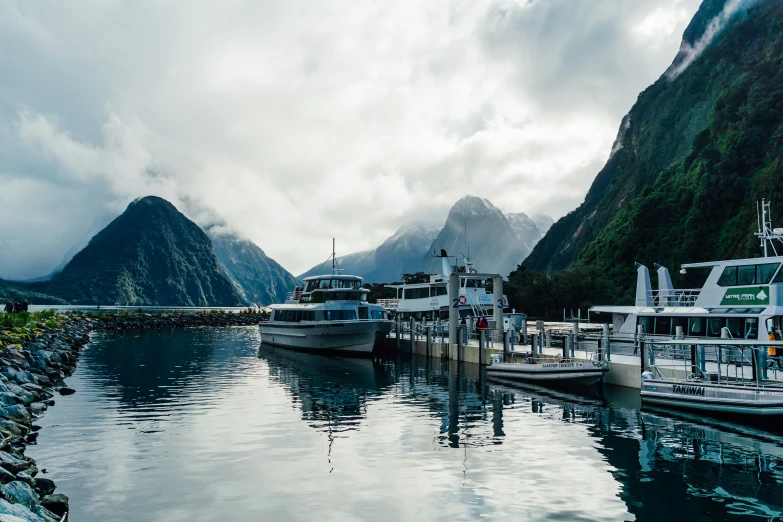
150	255
694	154
258	279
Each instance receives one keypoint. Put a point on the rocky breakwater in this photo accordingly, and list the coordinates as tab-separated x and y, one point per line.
35	359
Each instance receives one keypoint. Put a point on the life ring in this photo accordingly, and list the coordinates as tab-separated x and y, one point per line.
463	300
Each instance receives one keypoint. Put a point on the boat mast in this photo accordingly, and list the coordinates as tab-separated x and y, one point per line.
334	259
766	233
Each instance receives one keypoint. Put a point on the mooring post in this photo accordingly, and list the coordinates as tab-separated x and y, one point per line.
637	337
643	360
398	334
534	344
565	346
607	343
482	343
460	343
413	337
429	340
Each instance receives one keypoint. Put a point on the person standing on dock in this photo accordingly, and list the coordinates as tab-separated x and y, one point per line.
773	351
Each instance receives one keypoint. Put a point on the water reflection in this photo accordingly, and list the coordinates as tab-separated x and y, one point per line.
204	424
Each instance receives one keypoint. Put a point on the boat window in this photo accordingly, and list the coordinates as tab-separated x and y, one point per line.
696	326
736	327
751	328
728	277
474	283
377	314
750	275
647	324
746	275
714	325
417	293
765	272
663	325
682	322
318	315
363	312
778	277
438	290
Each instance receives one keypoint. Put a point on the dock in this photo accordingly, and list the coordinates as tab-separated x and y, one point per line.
625	369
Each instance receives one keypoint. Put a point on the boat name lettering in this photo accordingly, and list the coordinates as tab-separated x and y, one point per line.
558	365
689	390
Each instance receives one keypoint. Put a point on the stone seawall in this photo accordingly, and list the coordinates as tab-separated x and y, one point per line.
34	362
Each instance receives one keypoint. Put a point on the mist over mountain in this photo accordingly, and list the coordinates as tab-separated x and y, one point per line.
399	254
496	243
694	154
258	279
149	255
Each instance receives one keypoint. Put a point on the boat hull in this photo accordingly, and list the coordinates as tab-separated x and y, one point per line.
573	373
714	398
342	336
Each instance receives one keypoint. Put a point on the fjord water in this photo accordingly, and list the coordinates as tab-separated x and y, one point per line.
208	424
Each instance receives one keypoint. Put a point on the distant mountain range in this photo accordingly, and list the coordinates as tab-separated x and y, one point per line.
497	243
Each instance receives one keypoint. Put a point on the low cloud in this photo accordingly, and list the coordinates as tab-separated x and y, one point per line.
690	52
292	123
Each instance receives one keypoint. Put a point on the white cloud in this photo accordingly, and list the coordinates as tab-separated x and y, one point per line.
300	121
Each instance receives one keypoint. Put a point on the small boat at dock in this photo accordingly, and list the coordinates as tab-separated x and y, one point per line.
721	376
551	371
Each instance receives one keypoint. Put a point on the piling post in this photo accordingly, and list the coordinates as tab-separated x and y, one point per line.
482	344
534	344
460	343
412	340
453	309
497	298
607	345
398	334
429	340
643	360
565	346
694	360
506	342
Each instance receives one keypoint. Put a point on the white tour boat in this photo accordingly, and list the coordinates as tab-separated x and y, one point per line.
740	299
328	313
429	301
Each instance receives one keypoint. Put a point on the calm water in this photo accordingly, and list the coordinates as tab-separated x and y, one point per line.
205	425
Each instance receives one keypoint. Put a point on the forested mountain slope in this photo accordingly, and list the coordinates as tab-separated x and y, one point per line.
693	156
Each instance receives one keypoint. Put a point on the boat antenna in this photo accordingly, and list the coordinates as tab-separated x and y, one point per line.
467	248
766	233
334	257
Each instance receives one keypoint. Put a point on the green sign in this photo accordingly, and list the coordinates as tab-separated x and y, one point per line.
748	295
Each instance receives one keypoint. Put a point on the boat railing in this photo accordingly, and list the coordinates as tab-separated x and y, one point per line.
389	304
723	362
679	297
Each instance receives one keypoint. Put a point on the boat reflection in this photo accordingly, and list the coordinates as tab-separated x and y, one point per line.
721	469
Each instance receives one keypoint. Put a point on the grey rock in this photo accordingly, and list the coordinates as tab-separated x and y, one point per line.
9	399
24	378
16	413
10	428
11	463
57	503
25	477
6	476
8	509
37	408
45	486
18	492
26	396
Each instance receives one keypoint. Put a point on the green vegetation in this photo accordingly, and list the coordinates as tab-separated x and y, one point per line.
698	153
19	292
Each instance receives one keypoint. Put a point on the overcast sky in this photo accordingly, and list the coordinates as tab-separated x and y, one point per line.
296	121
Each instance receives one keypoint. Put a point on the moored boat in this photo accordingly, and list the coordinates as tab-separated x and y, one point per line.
742	384
551	371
